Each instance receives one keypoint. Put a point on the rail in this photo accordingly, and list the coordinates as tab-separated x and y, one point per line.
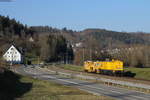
105	80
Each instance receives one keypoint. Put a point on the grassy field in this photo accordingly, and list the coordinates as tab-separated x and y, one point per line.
43	90
17	87
141	73
71	67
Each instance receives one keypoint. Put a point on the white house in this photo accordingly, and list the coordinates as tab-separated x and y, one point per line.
31	39
12	55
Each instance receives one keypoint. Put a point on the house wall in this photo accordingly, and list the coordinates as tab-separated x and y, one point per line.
12	55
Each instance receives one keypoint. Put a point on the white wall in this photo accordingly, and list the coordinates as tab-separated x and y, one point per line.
12	55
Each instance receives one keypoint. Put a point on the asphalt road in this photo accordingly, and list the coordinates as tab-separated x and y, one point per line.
92	87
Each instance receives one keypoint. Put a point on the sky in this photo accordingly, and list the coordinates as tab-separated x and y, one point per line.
117	15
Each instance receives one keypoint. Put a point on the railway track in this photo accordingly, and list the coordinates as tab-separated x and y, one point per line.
128	79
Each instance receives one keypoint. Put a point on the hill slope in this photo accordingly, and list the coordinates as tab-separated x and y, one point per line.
107	38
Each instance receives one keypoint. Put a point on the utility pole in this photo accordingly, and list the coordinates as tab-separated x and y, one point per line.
67	52
90	54
66	57
38	60
83	54
91	47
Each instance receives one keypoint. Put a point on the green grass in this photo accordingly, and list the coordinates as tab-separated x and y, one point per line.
72	67
16	87
141	73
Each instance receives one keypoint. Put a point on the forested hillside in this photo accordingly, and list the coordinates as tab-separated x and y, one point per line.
70	35
107	38
53	44
104	37
10	27
12	32
100	44
50	47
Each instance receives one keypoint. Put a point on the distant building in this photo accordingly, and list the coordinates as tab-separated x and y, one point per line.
77	46
31	39
80	44
12	55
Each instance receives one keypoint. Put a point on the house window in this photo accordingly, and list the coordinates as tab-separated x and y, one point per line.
7	52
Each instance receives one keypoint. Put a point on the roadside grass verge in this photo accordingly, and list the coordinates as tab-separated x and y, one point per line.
141	73
71	67
45	90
